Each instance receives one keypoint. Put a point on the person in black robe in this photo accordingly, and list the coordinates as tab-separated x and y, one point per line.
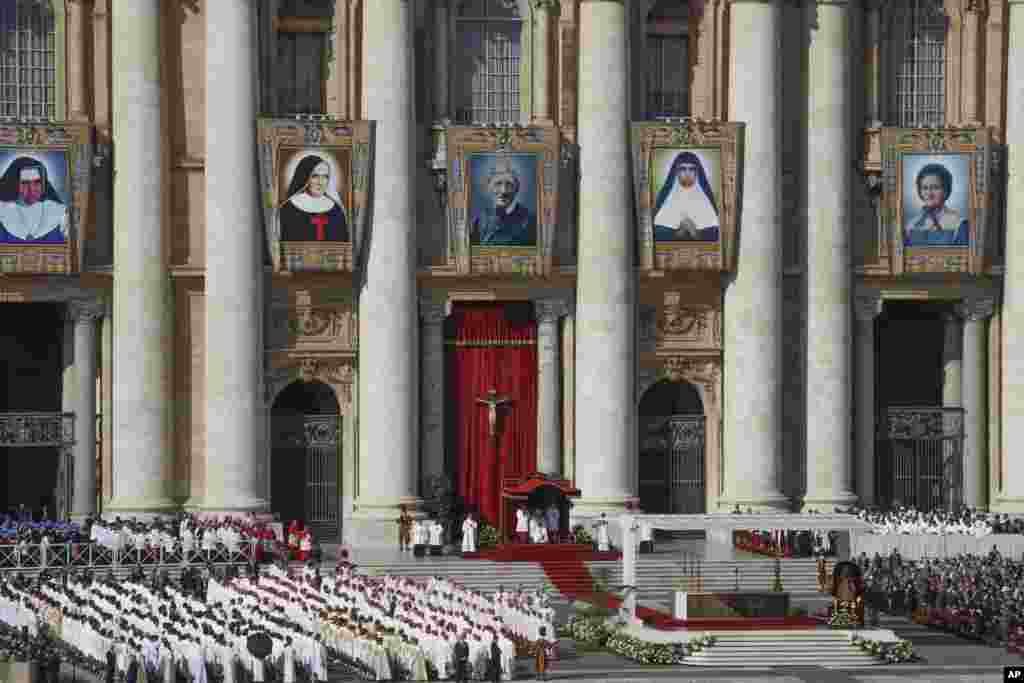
309	214
494	664
460	654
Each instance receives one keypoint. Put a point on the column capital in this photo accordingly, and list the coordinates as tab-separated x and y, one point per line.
550	310
84	312
867	307
549	6
977	6
976	309
433	312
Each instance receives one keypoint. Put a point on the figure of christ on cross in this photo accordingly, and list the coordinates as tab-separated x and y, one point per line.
492	401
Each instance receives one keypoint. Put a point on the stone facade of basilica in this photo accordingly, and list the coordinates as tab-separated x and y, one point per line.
813	356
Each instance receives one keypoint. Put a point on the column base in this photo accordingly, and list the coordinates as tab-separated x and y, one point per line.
829	502
139	507
375	525
773	502
1009	504
225	507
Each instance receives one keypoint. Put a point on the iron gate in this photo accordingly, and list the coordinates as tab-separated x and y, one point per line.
672	465
921	458
45	430
319	441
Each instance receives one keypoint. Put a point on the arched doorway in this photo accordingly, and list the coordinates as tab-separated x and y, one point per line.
672	449
305	458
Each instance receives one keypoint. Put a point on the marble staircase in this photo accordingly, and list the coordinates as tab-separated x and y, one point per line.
821	647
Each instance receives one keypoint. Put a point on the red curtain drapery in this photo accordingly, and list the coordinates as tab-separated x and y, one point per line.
491	346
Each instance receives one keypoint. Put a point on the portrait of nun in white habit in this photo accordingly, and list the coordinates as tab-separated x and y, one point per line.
685	208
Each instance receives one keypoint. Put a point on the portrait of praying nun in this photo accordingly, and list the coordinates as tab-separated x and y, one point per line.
33	208
504	200
936	200
312	209
686	184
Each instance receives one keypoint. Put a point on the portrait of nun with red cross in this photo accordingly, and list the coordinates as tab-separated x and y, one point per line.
312	211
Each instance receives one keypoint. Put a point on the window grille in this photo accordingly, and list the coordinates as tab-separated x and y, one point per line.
919	64
28	60
668	61
488	39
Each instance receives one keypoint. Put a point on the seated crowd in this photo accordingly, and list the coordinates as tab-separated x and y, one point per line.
184	534
378	628
978	596
907	520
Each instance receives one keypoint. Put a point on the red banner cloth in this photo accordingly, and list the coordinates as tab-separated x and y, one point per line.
491	346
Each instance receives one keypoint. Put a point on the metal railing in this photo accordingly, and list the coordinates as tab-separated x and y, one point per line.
92	556
921	457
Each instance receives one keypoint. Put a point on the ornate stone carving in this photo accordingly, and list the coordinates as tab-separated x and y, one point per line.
684	324
433	312
84	312
339	373
977	7
704	372
305	326
867	307
550	310
976	309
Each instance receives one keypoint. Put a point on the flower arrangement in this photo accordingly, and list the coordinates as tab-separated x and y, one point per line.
582	535
592	631
840	618
891	653
488	535
644	652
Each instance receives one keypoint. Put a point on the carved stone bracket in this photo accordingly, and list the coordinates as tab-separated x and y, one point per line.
976	309
703	372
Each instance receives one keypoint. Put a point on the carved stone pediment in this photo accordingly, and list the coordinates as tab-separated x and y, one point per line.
306	328
686	325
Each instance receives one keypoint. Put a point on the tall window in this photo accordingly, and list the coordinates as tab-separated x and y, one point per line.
28	60
668	60
295	56
487	61
918	70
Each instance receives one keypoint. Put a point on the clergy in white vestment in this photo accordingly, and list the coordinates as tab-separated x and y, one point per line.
469	526
601	528
435	534
522	525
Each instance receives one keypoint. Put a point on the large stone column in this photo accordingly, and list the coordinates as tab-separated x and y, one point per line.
549	400
432	316
952	392
234	363
866	309
606	290
569	397
544	16
1012	499
83	317
441	69
829	323
388	320
753	300
974	393
143	327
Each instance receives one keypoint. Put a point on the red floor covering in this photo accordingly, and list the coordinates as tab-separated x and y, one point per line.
528	552
573	580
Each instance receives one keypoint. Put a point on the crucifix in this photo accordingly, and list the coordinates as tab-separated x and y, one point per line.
492	401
